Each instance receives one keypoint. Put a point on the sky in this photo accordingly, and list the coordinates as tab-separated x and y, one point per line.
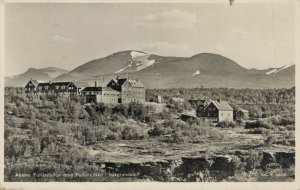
255	35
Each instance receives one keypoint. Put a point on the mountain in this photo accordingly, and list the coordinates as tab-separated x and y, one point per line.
119	63
44	74
204	69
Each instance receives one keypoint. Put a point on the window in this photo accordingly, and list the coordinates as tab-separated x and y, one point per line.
208	114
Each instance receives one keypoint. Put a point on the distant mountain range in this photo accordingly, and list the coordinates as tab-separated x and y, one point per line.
204	69
44	74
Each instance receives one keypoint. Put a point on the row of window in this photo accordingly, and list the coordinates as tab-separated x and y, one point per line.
215	114
133	89
212	109
95	93
132	100
56	87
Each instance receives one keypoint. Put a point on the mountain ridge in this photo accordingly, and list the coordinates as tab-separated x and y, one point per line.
202	69
44	74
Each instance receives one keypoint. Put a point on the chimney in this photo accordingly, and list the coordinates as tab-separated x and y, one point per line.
137	79
95	83
118	77
218	100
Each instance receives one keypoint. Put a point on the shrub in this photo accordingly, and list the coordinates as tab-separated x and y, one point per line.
236	166
262	131
252	161
216	134
287	121
290	134
165	114
134	132
290	127
226	124
274	120
102	134
158	130
258	124
113	136
269	141
178	137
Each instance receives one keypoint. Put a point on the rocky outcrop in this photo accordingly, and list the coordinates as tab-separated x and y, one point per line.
200	168
282	159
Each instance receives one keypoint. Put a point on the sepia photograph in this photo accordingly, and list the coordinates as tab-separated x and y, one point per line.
149	92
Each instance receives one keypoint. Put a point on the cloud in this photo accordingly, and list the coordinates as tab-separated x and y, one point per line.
165	48
57	38
174	19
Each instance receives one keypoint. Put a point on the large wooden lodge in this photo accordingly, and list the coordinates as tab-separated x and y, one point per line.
118	90
125	90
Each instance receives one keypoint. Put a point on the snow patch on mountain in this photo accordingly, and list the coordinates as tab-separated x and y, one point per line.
272	71
135	54
11	77
196	73
284	67
123	68
146	64
278	70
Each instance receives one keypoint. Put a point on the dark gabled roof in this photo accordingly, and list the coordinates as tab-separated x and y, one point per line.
97	89
92	89
44	84
121	81
108	89
35	82
135	83
80	84
59	83
221	106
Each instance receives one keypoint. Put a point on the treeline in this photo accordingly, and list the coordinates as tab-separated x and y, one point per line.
260	103
232	95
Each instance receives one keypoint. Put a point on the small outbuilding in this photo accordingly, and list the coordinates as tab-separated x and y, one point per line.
242	114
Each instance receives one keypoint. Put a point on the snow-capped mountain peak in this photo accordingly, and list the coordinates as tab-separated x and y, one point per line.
135	54
139	61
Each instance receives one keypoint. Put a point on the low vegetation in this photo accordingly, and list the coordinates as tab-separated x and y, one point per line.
46	133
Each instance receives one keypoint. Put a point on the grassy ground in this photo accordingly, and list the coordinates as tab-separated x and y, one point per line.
155	149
